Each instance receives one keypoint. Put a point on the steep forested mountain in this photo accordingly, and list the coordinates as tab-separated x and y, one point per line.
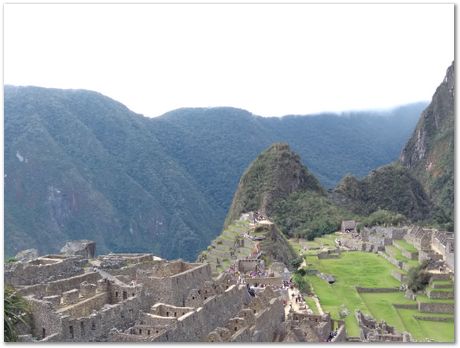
279	186
421	184
272	176
81	165
429	153
389	187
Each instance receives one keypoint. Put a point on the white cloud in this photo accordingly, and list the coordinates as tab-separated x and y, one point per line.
269	59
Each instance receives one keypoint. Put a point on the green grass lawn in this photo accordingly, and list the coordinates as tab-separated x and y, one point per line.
311	304
326	241
370	270
405	245
422	330
392	250
351	270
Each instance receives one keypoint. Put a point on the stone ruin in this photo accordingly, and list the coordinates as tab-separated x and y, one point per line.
373	331
430	244
77	297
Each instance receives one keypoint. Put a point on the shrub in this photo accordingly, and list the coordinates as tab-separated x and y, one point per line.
302	283
15	311
418	278
296	262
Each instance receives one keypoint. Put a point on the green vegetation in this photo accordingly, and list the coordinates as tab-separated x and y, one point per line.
226	247
429	153
351	270
15	311
390	188
295	263
308	215
276	183
311	304
272	176
370	270
418	278
383	217
405	245
301	282
96	170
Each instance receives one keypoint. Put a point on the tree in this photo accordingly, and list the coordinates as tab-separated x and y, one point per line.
418	278
15	311
296	262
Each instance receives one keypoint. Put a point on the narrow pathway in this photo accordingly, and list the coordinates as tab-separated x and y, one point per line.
318	305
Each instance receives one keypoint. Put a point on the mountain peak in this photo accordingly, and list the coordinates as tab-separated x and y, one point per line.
274	174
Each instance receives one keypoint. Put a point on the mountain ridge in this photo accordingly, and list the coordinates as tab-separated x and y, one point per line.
167	184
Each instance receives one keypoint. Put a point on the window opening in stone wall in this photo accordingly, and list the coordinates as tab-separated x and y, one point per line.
82	328
93	326
71	331
43	333
125	295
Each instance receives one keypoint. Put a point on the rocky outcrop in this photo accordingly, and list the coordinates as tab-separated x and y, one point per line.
429	152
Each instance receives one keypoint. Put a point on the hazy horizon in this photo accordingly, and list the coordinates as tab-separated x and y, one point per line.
269	59
320	113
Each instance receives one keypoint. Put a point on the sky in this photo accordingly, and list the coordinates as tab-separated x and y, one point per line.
270	59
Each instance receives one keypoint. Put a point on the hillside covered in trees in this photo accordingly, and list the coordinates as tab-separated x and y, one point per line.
81	165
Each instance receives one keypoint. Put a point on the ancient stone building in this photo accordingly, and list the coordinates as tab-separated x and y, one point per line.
141	298
348	226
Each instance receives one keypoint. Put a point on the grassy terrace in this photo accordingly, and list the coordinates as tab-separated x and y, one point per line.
351	270
223	244
312	247
405	245
397	254
311	304
369	270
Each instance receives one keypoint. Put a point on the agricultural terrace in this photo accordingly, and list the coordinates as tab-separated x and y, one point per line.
362	269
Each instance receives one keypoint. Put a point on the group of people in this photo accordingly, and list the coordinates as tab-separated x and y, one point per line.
258	217
331	336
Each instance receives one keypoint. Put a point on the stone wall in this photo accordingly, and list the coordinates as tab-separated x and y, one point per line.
405	305
42	270
249	265
439	294
216	311
328	255
175	289
59	286
268	322
341	334
391	259
165	310
398	276
410	255
45	321
428	318
436	307
372	290
276	281
97	326
85	307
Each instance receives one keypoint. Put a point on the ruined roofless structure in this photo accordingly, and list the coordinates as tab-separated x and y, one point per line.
142	298
348	226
